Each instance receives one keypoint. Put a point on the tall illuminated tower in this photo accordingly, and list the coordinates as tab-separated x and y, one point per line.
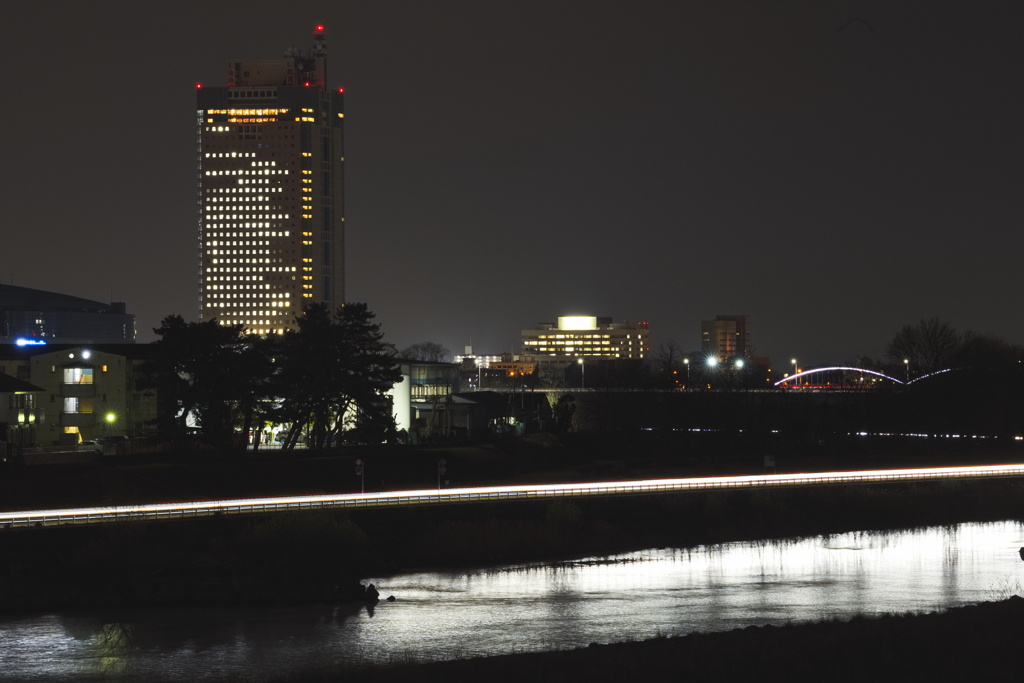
271	205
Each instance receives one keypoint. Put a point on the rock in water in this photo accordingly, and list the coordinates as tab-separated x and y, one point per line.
391	598
371	594
1022	553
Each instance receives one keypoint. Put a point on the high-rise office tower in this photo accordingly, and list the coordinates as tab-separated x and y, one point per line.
271	212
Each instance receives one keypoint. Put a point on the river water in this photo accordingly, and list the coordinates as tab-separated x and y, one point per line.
518	608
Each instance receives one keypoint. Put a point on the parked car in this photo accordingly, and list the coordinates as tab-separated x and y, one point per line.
94	446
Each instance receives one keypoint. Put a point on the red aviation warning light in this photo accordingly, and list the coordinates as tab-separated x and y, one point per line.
199	85
319	48
341	90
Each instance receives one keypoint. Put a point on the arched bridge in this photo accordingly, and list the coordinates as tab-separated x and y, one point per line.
841	368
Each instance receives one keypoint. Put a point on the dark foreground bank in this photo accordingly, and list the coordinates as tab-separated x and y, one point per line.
979	642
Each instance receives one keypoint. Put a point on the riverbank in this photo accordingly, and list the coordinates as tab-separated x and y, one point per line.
287	558
977	642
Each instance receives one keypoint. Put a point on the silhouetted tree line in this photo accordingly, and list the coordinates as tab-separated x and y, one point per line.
933	345
314	377
427	351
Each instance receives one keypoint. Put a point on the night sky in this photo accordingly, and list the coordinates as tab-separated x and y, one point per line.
836	170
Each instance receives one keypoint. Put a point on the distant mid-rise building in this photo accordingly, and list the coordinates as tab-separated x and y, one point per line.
82	392
583	337
515	368
422	382
727	336
33	317
478	361
271	202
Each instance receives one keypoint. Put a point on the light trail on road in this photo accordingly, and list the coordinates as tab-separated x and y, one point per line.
253	506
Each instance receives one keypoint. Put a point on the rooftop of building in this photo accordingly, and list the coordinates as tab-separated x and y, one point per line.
14	298
586	322
13	385
13	351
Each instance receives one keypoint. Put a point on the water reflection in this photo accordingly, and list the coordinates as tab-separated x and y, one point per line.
440	615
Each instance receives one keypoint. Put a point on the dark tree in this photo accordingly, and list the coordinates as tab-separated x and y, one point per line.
253	386
195	371
332	367
428	351
988	352
929	346
563	411
668	361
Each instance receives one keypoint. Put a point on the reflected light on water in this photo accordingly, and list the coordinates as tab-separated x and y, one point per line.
440	615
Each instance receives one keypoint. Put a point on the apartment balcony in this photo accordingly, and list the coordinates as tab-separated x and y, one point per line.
77	420
78	391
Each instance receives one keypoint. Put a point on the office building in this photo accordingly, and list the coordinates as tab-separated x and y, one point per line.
585	337
271	203
33	317
727	336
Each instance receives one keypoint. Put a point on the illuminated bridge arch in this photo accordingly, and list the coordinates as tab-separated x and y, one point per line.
833	369
932	374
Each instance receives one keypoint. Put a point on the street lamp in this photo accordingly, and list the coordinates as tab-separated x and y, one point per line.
906	362
739	364
795	369
583	374
686	362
